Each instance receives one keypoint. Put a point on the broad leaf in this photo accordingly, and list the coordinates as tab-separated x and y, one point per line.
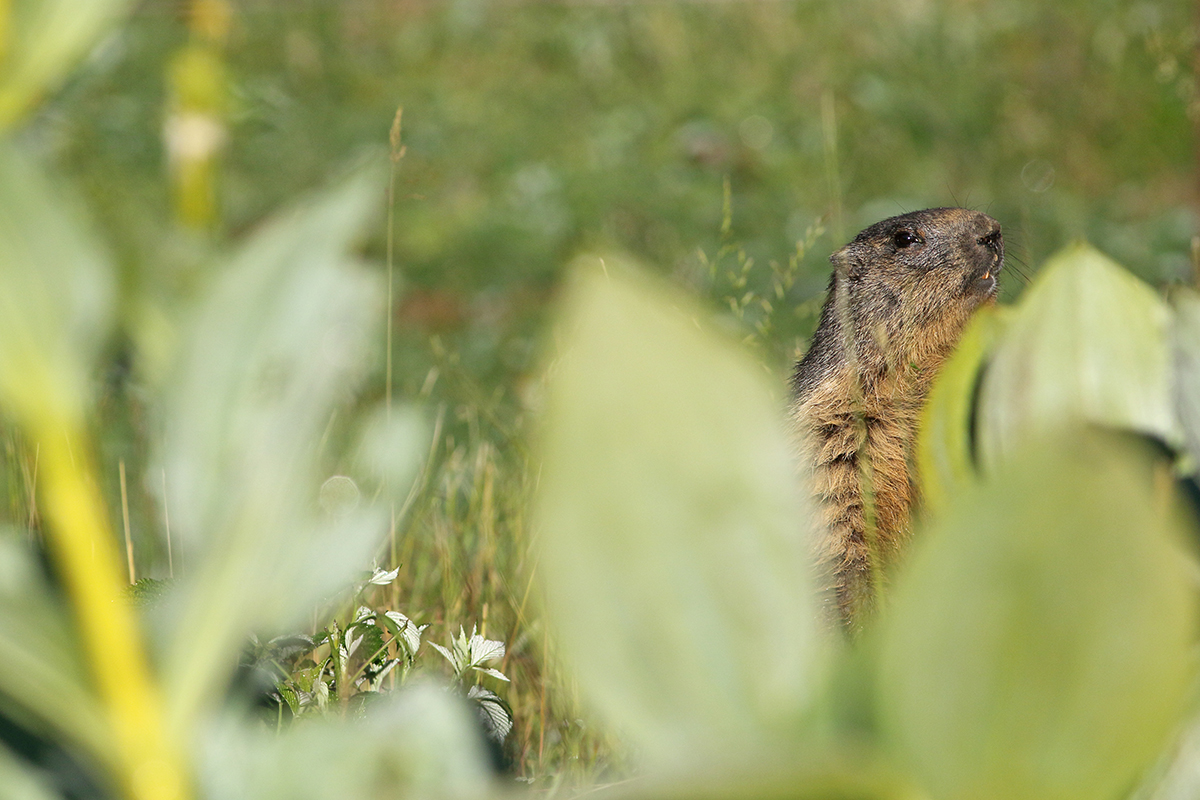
421	743
42	41
279	341
763	778
19	782
1088	342
42	678
1040	644
945	446
56	292
674	556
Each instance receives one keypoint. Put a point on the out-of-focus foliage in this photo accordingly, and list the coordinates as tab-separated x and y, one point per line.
1087	342
670	525
56	294
533	130
40	41
276	344
42	670
1039	643
271	348
418	745
1186	384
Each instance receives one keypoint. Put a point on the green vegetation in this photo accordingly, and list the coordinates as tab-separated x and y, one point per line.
309	387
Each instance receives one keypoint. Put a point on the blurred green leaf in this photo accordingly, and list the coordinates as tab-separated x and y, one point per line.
19	782
1186	341
1176	776
41	42
1088	342
1040	644
945	460
674	555
279	341
41	669
55	294
764	779
420	743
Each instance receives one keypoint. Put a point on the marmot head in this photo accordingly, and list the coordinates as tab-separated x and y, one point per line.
914	280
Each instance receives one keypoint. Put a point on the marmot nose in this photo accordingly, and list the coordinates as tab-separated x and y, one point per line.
993	241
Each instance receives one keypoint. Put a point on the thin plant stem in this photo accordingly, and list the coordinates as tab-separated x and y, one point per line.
125	523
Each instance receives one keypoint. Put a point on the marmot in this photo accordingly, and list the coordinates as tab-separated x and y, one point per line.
899	298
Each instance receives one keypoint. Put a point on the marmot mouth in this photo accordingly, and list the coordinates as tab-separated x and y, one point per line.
986	282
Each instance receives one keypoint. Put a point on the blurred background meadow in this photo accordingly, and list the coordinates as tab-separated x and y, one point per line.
728	146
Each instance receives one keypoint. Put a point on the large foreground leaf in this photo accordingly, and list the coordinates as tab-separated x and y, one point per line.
41	41
19	782
56	293
1089	342
1040	644
420	744
42	678
674	558
278	343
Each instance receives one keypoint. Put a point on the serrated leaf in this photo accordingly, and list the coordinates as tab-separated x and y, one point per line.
1040	643
409	633
446	654
674	555
493	712
1089	342
383	577
480	650
289	697
945	458
495	673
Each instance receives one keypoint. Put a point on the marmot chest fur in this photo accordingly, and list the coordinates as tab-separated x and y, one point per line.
900	296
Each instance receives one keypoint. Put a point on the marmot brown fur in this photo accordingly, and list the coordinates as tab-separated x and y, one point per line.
899	298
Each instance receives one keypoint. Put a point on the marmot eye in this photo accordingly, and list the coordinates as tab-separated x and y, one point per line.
902	239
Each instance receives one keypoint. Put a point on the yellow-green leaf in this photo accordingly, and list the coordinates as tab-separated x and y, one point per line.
945	461
1040	644
56	292
1089	342
674	556
41	41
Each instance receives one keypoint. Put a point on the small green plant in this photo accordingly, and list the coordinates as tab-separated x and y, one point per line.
370	651
467	656
362	654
